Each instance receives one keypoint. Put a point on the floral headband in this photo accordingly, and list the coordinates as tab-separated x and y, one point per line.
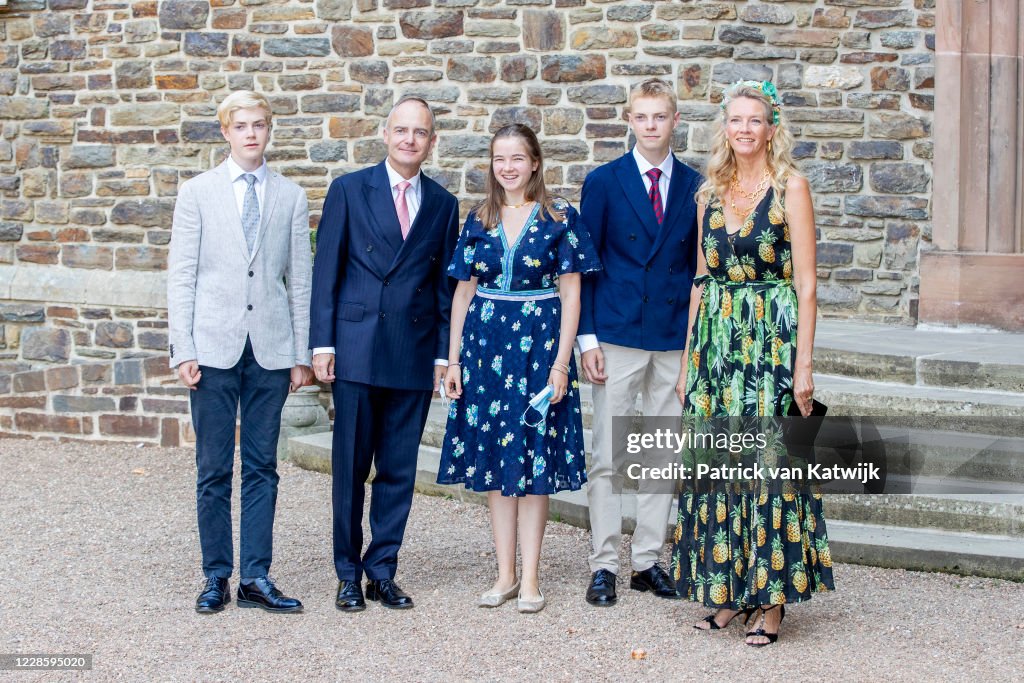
767	88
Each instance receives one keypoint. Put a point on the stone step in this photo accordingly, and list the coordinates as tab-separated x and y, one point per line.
967	359
863	529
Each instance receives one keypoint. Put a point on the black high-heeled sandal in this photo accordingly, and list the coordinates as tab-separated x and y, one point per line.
772	637
713	625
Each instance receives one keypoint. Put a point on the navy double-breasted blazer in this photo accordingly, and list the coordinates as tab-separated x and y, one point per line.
383	302
640	298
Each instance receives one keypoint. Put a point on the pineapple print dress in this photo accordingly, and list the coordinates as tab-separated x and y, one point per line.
509	343
743	544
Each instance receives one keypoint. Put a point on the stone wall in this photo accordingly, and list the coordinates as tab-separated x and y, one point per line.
108	105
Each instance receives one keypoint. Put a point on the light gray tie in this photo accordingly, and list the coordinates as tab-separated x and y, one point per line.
250	211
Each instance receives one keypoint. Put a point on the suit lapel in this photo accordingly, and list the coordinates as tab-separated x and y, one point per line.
229	208
270	193
636	193
381	204
678	189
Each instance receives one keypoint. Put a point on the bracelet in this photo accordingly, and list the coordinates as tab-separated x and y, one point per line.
458	364
564	368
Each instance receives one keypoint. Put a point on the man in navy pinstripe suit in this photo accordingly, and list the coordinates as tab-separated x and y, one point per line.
378	320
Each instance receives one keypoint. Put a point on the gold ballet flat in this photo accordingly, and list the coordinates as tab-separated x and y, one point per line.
494	599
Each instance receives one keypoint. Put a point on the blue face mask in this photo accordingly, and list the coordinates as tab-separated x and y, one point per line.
540	402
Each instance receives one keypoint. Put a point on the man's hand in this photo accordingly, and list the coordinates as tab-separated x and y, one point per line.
323	367
593	366
439	373
301	376
189	374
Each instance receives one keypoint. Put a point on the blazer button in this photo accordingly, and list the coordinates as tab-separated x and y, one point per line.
369	247
382	315
671	301
419	290
646	299
632	237
415	320
250	273
648	269
249	307
387	283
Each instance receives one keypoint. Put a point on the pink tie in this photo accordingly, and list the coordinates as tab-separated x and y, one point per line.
402	208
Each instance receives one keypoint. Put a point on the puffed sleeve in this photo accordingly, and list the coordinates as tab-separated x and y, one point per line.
462	261
576	252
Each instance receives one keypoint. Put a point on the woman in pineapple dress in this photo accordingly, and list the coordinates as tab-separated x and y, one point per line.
748	548
514	319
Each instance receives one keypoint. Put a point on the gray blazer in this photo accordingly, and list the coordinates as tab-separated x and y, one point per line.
217	293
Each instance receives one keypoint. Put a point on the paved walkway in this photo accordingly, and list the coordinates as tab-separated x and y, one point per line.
101	556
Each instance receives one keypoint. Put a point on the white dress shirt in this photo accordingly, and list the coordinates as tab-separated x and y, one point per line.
239	186
413	197
589	341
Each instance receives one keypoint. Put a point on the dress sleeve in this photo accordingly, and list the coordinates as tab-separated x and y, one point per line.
576	252
462	260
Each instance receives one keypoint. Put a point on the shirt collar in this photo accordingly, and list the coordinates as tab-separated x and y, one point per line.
645	166
235	171
394	177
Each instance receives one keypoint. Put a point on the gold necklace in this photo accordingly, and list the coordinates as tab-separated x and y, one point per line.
751	197
517	206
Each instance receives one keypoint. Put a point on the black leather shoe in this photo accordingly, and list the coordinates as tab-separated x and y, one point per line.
263	593
601	592
350	597
656	580
216	593
389	594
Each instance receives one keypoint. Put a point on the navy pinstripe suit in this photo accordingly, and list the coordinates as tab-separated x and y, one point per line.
384	304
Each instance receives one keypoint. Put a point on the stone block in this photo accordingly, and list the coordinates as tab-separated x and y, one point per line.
631	13
352	41
503	116
328	150
82	404
67	49
565	150
873	149
767	14
431	25
156	341
115	335
336	102
740	34
830	177
896	178
61	378
11	232
369	71
39	422
133	74
603	38
831	17
883	18
243	46
897	126
89	156
129	425
297	47
834	253
543	30
50	25
206	44
22	313
29	382
141	258
369	151
234	17
177	81
45	343
143	212
165	406
334	10
833	77
906	208
890	78
730	72
87	256
562	121
472	69
183	14
516	68
201	131
97	373
838	296
36	402
344	127
465	146
597	94
128	372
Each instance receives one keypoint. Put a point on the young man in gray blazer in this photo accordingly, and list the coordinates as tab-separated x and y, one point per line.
238	285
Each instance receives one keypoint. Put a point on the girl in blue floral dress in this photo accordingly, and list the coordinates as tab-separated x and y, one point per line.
512	334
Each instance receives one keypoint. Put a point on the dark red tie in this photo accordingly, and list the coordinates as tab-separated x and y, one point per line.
655	194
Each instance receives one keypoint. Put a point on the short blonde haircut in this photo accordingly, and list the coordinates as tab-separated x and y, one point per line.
654	87
242	99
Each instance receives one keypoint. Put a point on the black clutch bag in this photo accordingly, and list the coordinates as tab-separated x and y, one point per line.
798	432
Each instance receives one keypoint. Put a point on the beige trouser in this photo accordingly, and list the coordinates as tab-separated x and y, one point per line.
653	374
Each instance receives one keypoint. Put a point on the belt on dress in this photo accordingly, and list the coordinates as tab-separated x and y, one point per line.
522	295
756	285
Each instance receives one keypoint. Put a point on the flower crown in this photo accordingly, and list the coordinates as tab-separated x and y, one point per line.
767	88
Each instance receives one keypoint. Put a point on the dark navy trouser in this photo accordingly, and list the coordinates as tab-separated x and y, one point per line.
261	394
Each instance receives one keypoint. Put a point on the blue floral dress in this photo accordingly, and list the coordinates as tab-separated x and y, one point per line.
509	343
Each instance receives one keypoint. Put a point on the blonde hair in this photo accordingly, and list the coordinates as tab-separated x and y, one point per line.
242	99
722	161
653	87
489	210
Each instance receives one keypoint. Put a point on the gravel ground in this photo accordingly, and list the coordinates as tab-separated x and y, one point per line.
101	556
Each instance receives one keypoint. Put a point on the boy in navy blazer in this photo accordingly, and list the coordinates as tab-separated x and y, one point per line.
378	320
641	213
